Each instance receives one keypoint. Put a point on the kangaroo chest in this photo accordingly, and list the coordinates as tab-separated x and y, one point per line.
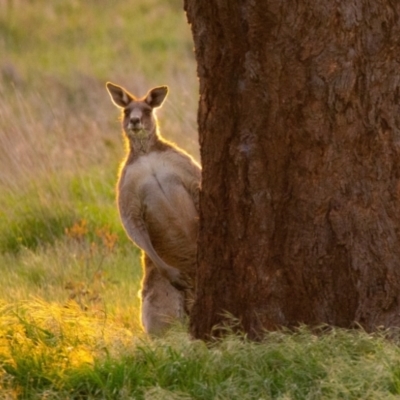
151	175
153	190
153	194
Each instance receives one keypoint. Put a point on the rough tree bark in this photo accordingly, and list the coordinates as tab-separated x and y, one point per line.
299	127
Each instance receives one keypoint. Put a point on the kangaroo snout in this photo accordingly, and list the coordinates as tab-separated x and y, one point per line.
134	121
135	124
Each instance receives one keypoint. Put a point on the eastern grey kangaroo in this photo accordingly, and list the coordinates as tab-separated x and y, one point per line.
158	196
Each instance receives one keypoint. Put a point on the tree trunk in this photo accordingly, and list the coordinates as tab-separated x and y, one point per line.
299	127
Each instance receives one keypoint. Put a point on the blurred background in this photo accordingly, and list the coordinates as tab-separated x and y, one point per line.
61	142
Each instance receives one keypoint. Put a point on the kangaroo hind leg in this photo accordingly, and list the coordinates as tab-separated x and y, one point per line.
162	303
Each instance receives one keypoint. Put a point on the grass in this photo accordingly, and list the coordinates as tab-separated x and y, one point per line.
61	352
69	305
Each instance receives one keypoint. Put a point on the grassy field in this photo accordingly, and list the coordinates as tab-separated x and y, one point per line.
69	305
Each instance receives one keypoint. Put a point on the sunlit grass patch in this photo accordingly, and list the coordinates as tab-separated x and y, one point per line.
42	344
67	352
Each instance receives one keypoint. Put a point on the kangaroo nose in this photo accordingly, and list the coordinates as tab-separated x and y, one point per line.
135	120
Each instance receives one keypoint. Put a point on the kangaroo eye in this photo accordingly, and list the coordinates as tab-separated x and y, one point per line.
127	112
147	112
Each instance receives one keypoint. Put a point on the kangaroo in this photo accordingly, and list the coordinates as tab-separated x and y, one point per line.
158	202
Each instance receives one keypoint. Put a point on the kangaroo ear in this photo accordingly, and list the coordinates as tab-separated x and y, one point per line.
155	97
119	96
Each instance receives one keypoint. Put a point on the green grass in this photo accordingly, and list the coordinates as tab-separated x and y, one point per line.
66	353
69	305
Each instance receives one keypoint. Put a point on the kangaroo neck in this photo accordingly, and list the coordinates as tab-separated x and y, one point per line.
142	142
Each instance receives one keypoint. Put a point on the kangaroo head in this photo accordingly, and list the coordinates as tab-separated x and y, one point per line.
138	119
